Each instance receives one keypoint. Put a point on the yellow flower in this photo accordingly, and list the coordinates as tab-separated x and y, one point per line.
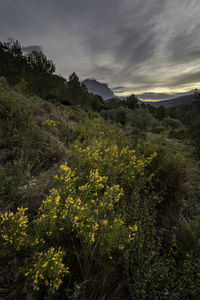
45	264
121	247
104	222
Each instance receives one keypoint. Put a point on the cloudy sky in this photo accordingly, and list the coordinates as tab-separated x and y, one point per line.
149	47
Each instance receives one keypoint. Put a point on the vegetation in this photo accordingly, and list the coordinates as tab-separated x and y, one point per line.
98	200
35	72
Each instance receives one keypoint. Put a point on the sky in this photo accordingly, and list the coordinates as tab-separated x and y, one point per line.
147	47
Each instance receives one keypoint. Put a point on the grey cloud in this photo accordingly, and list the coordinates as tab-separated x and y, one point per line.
138	39
31	48
184	47
118	88
103	71
186	78
121	92
131	40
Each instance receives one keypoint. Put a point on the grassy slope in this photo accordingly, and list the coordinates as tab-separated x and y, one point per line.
32	148
36	136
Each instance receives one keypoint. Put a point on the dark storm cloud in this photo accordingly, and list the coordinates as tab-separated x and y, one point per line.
31	48
148	45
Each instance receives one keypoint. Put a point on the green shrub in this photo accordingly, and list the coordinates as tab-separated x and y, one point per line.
142	119
169	169
14	113
172	123
188	237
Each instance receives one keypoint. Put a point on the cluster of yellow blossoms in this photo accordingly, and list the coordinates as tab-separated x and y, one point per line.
48	269
118	164
87	210
13	228
49	123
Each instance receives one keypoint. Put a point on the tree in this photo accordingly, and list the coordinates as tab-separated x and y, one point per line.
161	113
13	47
197	97
42	70
96	102
121	116
142	119
39	63
132	102
12	62
77	92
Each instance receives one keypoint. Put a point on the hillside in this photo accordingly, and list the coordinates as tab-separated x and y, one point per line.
93	202
98	199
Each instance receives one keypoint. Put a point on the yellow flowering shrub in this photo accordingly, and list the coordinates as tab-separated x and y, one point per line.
49	123
45	267
13	228
87	210
104	148
72	213
81	221
48	269
119	164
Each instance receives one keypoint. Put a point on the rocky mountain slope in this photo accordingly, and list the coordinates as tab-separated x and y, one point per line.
97	88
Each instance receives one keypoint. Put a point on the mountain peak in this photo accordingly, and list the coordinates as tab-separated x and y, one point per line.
97	88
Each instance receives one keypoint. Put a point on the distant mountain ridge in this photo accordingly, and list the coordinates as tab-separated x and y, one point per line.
97	88
173	101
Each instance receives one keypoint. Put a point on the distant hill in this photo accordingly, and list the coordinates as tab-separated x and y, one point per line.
172	102
97	88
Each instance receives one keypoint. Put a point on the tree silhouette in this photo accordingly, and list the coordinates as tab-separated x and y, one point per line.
132	102
77	92
39	62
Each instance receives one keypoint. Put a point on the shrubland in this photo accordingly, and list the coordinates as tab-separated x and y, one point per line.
95	206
